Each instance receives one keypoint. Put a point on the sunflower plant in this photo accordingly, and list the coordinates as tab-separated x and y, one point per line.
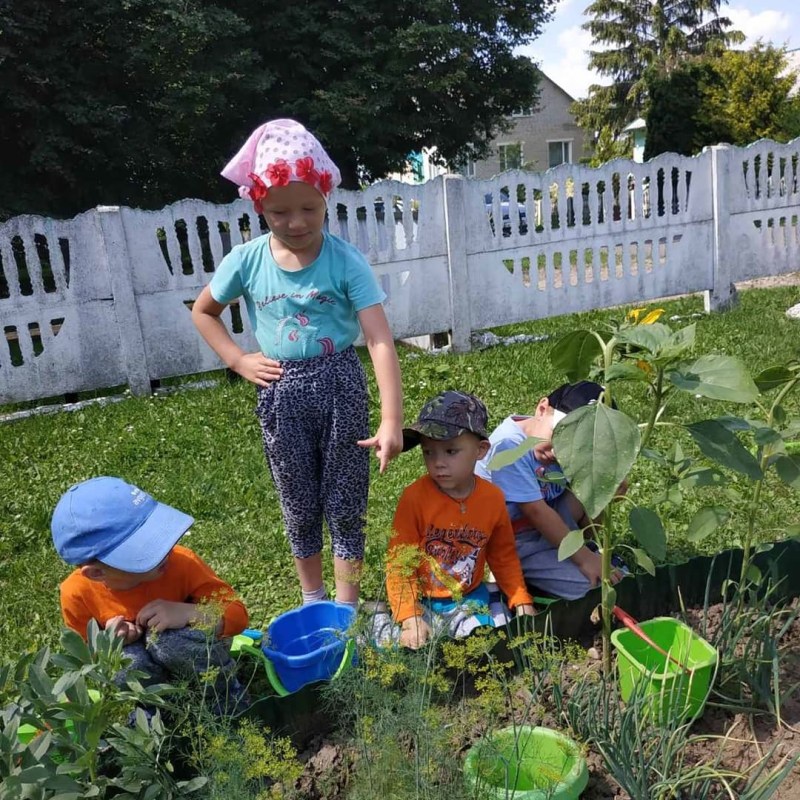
597	445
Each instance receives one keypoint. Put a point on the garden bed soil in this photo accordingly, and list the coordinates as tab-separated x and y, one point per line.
328	762
752	735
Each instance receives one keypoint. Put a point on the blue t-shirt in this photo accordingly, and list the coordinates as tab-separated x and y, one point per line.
302	313
520	482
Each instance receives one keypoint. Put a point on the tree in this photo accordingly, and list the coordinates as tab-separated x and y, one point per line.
378	80
739	96
118	101
754	95
608	147
141	102
635	35
680	118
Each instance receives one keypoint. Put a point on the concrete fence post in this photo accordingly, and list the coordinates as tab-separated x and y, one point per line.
455	222
120	268
722	294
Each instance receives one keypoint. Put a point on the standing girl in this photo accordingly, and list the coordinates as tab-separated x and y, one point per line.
307	294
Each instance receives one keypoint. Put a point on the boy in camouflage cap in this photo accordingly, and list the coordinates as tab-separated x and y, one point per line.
448	526
447	416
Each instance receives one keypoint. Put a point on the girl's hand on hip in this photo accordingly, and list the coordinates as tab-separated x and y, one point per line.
387	441
257	368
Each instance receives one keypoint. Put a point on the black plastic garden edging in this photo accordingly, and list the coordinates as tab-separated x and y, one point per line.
303	714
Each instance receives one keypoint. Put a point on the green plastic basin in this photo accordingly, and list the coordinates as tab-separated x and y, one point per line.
527	763
27	732
672	692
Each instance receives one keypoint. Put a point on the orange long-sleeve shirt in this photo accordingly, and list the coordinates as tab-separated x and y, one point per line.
460	544
186	579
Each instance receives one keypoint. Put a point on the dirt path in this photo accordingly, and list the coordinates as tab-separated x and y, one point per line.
771	281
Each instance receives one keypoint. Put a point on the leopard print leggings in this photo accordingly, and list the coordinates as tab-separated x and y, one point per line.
310	422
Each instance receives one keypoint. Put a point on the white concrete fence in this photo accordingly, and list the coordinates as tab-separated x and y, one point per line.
103	299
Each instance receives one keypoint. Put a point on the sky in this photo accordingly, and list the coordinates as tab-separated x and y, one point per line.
561	50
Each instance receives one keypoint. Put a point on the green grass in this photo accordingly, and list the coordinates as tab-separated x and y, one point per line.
200	451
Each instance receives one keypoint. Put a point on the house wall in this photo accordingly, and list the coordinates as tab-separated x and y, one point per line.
103	299
793	65
550	121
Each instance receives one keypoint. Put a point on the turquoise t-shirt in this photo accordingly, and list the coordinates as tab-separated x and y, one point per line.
303	313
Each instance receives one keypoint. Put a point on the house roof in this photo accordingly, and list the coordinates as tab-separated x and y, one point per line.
563	91
638	124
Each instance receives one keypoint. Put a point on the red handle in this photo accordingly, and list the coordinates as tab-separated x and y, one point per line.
631	624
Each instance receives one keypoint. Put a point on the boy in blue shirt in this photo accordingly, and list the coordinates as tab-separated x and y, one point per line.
542	508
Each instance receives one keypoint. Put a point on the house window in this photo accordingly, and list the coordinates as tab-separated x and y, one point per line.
522	112
510	156
468	168
559	153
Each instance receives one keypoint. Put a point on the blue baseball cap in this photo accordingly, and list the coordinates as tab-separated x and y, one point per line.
105	519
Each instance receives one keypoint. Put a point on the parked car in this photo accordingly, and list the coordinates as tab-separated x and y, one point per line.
520	216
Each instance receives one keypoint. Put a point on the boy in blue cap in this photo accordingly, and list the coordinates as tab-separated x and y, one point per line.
133	578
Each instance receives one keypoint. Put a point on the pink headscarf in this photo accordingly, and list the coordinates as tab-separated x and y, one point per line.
276	153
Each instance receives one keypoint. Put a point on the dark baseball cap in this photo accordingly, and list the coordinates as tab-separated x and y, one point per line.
446	416
571	396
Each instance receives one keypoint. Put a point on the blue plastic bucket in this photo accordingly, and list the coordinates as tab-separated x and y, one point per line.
309	643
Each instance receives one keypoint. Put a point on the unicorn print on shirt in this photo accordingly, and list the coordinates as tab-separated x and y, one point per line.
297	328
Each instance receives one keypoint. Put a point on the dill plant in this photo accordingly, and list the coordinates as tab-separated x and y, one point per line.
244	760
411	715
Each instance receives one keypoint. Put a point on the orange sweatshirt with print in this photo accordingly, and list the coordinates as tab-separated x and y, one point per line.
430	529
186	579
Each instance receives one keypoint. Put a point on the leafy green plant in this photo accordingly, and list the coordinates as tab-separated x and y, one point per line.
773	437
597	445
243	760
394	706
84	746
412	714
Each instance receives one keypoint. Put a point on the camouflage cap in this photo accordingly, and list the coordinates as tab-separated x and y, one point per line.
446	416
